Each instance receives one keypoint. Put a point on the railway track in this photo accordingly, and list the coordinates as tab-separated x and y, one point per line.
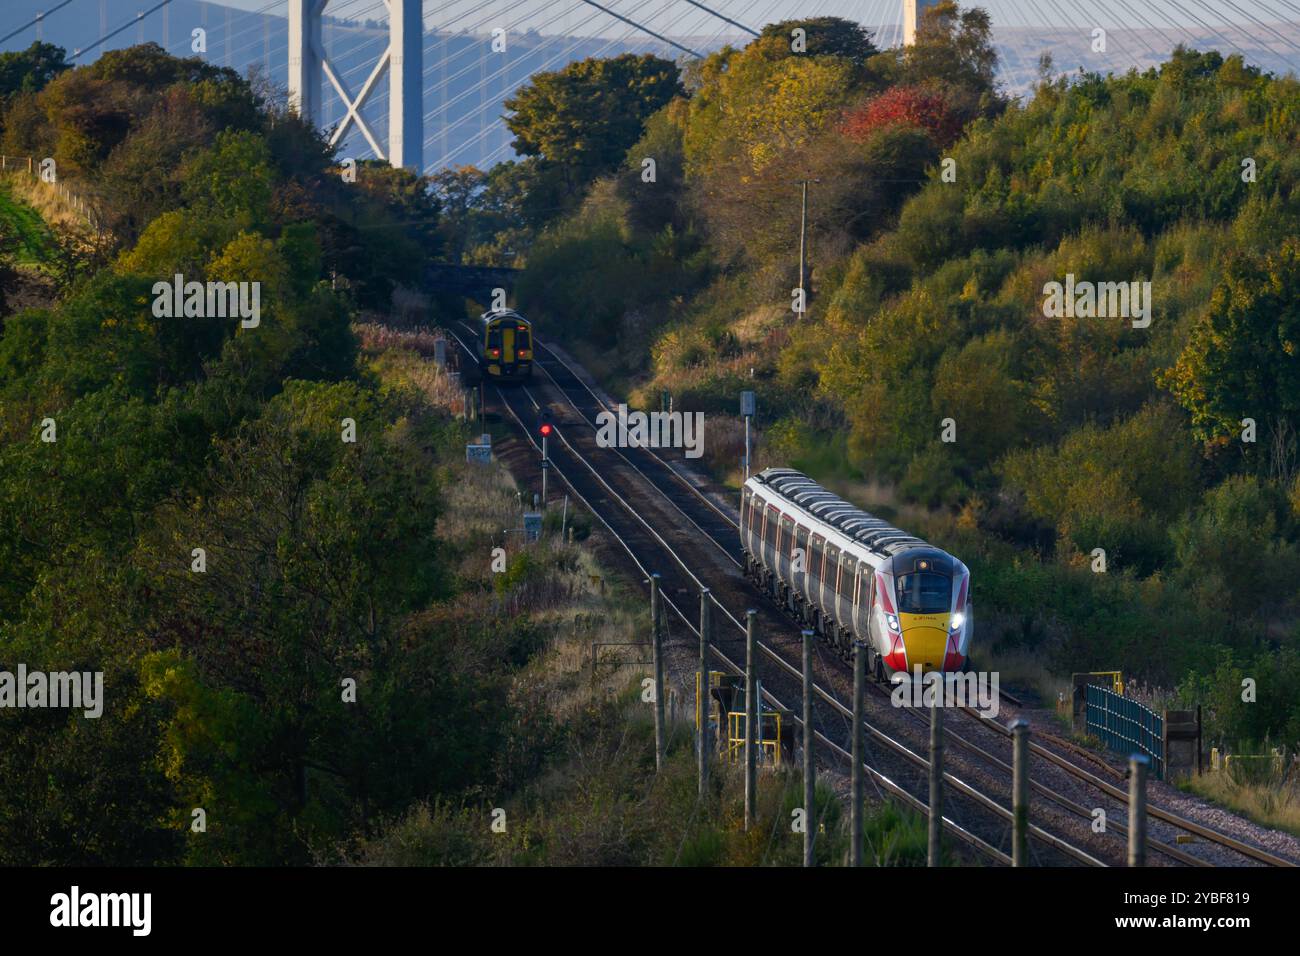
710	528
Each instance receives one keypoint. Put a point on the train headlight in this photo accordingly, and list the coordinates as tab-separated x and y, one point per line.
958	620
892	621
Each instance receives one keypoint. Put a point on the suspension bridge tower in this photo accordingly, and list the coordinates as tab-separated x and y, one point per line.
912	10
403	61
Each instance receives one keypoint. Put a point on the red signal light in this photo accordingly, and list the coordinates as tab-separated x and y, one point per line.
545	429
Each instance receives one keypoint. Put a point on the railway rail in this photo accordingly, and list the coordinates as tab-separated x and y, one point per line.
710	523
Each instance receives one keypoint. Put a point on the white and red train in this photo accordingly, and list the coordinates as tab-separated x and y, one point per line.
851	576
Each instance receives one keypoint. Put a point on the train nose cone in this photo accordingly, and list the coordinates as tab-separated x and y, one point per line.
926	647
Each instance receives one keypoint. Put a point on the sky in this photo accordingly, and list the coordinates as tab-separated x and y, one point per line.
681	18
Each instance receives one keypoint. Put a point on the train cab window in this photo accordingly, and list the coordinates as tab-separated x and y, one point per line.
522	340
746	498
832	565
494	337
924	592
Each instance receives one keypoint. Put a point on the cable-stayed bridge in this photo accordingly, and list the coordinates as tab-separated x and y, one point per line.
465	70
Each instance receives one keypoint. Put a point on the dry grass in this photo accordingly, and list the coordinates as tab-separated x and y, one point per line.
58	212
1273	800
397	357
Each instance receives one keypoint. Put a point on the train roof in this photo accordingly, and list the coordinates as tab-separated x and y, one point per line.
491	315
852	522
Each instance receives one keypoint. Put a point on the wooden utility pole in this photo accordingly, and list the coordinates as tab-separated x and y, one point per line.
1137	809
859	693
1020	794
656	638
706	629
751	720
936	782
809	761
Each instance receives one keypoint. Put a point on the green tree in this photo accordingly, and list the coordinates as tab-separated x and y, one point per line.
30	70
1241	360
583	118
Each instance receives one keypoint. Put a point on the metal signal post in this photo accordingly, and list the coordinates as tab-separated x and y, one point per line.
544	428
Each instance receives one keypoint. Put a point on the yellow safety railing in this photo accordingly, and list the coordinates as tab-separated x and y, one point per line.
1116	679
769	748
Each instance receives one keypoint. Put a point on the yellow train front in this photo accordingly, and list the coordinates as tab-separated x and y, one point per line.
505	346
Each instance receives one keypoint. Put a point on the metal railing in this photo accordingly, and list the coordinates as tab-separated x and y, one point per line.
1126	726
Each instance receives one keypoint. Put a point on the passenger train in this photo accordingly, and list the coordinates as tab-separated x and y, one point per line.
851	576
505	346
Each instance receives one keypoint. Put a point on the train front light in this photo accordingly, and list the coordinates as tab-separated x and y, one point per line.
958	620
892	621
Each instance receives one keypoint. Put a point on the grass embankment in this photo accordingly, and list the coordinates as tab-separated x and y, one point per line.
1270	795
575	781
35	244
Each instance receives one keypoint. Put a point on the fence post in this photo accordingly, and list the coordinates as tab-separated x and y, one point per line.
706	626
1020	793
809	759
936	781
1137	809
656	638
859	693
751	720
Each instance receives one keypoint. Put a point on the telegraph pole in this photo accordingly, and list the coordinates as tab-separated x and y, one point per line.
936	782
1137	809
751	721
706	627
809	761
1020	793
657	639
803	248
859	705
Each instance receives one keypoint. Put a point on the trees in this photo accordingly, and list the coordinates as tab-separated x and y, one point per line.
1242	359
581	120
28	71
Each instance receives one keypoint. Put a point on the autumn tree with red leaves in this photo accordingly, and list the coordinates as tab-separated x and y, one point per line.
911	105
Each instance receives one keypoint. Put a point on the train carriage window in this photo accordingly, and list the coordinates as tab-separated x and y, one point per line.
801	541
849	566
769	527
815	556
787	534
832	566
864	589
745	497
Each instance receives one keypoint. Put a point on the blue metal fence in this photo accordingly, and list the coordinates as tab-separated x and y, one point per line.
1126	726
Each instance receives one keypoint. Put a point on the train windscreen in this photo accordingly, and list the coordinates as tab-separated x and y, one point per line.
924	592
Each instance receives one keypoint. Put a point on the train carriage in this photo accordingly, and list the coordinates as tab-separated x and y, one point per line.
851	576
505	346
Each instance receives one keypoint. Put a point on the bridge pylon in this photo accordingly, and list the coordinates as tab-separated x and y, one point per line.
912	10
402	61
